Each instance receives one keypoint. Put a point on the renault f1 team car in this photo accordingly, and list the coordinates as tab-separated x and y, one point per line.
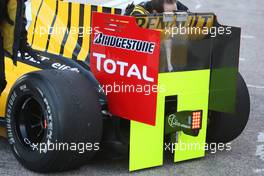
108	82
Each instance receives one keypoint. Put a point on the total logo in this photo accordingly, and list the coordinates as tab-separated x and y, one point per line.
124	69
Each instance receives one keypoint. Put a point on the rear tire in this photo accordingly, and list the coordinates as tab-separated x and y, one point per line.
224	127
56	109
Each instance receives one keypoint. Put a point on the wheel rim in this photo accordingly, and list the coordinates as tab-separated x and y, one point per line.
30	121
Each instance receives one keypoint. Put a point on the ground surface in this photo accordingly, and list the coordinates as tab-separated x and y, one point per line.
242	160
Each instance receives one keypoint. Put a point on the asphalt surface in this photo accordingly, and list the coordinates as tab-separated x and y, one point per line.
242	159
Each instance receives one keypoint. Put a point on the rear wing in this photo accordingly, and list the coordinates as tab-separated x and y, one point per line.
197	73
196	41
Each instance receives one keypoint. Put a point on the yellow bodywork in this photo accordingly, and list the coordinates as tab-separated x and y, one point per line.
66	20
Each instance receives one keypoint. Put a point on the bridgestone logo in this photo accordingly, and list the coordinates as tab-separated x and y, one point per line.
125	43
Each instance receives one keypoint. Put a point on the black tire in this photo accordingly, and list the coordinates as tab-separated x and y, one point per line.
223	127
66	110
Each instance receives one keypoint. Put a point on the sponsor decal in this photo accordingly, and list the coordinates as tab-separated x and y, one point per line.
125	43
123	69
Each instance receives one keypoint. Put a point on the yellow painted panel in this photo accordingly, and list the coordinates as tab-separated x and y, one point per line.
35	4
44	21
73	36
86	33
59	29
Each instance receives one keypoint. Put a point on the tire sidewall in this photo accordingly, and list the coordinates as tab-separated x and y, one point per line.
35	88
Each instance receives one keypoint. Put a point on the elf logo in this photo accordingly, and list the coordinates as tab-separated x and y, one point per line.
124	69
